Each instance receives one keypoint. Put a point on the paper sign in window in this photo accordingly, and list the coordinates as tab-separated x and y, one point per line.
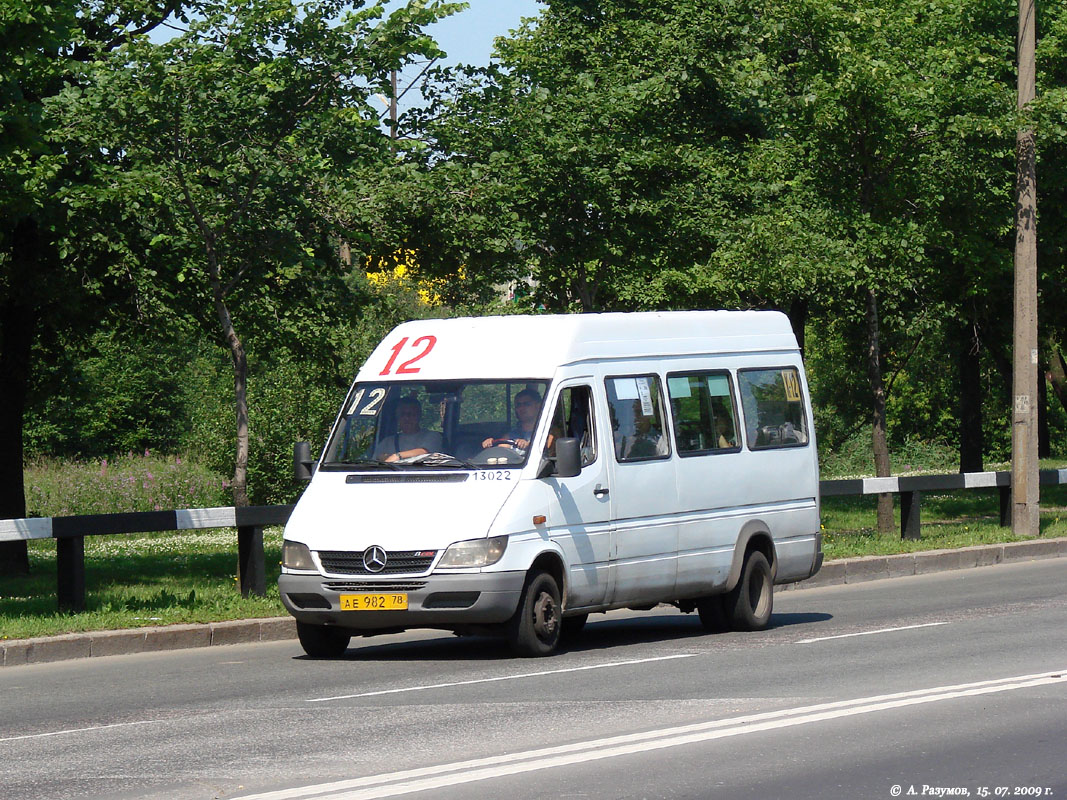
625	388
718	386
679	387
645	394
792	386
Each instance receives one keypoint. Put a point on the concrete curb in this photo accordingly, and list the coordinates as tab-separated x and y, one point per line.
92	644
45	649
873	568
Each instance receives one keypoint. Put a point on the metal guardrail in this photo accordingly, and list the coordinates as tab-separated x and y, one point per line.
70	532
911	487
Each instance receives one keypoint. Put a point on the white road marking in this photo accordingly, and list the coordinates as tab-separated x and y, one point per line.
80	730
501	678
427	778
871	633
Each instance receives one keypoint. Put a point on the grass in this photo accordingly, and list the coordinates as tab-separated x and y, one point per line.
139	580
949	520
168	578
126	483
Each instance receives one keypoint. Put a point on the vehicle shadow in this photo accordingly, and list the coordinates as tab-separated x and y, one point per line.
599	634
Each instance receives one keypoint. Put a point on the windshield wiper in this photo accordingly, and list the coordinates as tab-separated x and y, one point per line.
364	462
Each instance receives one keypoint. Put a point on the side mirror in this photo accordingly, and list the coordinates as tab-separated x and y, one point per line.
568	458
302	461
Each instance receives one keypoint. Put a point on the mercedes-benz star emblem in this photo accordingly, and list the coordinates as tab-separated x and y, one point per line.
374	559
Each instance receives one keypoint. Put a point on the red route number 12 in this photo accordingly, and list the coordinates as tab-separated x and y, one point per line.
405	368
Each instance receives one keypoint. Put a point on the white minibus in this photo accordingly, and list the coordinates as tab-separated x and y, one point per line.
512	475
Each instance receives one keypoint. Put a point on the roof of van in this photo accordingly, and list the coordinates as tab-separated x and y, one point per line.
534	346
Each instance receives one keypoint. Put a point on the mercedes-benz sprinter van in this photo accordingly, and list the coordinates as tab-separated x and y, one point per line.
512	475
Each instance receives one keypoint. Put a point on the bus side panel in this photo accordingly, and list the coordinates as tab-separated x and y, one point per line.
720	492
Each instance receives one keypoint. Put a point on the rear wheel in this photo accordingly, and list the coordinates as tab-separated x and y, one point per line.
748	606
322	641
536	627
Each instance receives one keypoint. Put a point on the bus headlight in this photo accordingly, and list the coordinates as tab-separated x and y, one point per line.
474	553
297	556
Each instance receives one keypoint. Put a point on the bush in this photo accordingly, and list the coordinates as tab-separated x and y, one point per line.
129	483
854	457
115	394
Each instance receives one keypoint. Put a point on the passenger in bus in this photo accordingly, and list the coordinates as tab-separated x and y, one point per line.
725	432
410	439
648	441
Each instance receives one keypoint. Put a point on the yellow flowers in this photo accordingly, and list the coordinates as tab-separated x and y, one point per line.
401	270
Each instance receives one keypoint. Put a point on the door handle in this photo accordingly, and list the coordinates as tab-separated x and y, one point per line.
600	491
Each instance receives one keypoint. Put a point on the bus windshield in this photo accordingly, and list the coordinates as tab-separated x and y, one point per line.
401	425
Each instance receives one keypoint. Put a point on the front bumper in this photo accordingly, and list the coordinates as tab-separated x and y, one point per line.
434	601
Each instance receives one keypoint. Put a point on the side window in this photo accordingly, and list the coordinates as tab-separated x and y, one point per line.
573	417
636	407
774	407
703	408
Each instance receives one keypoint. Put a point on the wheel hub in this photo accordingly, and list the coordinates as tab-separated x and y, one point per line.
546	616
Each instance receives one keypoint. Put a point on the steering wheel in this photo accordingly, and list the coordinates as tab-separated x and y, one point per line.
512	442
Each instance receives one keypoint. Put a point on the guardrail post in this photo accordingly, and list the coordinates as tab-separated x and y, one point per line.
251	564
910	503
1005	506
70	573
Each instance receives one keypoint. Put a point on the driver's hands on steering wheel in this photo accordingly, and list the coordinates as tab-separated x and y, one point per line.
520	444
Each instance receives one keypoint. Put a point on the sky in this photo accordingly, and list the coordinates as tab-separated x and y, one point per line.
468	36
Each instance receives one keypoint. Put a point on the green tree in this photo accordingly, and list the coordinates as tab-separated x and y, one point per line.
599	145
846	164
226	143
41	293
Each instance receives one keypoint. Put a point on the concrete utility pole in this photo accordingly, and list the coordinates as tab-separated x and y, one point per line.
1025	518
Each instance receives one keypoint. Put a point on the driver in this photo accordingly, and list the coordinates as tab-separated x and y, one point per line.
527	409
409	439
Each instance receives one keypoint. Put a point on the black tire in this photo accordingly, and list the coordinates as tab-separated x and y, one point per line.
537	625
322	641
572	626
712	613
748	606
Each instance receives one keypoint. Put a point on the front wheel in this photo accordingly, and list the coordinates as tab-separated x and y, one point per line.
322	641
535	629
748	605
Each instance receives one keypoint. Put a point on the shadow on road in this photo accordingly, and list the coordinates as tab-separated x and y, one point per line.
601	633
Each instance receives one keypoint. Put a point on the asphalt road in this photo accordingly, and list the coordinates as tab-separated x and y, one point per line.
926	686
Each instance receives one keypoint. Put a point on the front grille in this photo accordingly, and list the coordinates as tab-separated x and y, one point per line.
393	477
368	586
400	562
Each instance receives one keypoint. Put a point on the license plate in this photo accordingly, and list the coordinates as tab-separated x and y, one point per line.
373	602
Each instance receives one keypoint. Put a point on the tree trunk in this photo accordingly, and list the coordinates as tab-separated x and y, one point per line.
18	326
1044	435
1057	373
879	442
971	438
798	319
240	376
240	394
585	288
237	351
